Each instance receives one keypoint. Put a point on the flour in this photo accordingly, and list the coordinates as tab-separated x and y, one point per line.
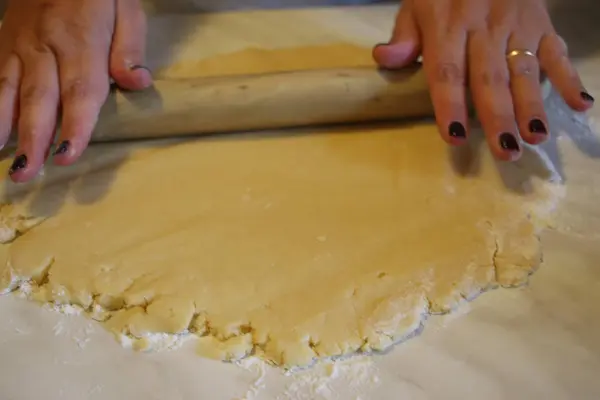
355	376
260	369
66	309
80	335
154	341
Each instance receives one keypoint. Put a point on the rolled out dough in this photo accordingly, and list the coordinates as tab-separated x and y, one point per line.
288	247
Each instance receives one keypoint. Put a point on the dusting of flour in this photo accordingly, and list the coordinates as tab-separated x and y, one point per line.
350	379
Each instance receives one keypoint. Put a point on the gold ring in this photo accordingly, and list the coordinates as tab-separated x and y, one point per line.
520	52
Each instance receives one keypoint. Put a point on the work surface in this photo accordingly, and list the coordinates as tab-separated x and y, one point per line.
535	342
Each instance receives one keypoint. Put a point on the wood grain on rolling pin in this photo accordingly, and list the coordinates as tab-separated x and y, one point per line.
180	107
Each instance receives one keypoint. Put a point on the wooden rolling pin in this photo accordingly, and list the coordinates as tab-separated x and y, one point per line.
279	100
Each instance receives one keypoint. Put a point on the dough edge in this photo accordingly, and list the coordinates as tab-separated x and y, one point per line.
391	325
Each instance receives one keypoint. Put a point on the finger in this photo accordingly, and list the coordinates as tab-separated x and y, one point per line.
10	76
404	46
526	91
489	83
84	86
444	64
554	60
38	103
127	56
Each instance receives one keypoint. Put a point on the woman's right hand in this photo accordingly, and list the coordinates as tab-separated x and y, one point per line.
494	51
56	58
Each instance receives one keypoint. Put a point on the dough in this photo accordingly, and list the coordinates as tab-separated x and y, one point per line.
288	247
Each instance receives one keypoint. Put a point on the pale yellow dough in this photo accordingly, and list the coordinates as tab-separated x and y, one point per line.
290	247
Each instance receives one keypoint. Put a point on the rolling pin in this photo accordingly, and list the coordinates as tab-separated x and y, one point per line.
181	107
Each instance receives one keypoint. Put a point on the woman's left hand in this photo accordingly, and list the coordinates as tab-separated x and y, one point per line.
499	48
56	58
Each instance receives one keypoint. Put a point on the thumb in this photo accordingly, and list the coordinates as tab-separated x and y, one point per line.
404	46
128	50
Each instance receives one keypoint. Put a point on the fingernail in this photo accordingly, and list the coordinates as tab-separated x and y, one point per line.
457	130
136	67
381	44
509	142
537	126
19	163
587	97
62	148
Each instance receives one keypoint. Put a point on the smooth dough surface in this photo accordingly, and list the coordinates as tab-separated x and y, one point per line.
287	246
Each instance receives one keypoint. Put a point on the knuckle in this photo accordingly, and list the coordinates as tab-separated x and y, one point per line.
45	31
55	41
495	77
552	49
47	7
124	56
71	35
35	93
78	90
30	48
75	90
449	73
477	35
496	30
451	33
498	34
8	85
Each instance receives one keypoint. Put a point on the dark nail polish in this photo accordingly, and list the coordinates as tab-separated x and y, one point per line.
457	130
587	97
537	126
136	67
62	148
19	163
509	142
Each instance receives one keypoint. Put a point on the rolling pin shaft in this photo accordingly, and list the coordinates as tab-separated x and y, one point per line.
174	108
